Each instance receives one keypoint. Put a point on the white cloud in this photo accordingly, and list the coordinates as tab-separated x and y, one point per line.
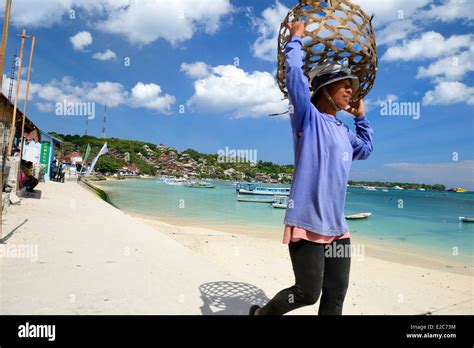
41	14
447	92
387	11
45	107
108	54
429	45
145	21
450	68
196	70
81	40
150	96
451	10
106	93
231	90
111	94
265	47
370	104
34	87
395	31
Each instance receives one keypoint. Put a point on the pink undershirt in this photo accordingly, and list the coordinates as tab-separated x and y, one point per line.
294	234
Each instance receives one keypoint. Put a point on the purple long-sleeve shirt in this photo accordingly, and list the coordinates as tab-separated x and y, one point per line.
324	149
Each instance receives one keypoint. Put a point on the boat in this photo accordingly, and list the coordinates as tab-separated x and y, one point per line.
280	202
175	181
369	188
458	189
466	219
358	216
421	189
253	189
200	184
384	190
397	188
254	200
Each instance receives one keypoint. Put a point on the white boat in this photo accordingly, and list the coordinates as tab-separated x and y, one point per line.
397	188
370	188
384	190
421	189
175	181
280	202
358	216
254	200
199	184
252	189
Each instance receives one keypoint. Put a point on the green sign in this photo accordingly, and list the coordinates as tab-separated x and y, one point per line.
44	155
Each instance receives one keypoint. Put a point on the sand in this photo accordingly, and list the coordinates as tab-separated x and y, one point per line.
94	259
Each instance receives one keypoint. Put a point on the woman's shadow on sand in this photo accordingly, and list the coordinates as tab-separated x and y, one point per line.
230	298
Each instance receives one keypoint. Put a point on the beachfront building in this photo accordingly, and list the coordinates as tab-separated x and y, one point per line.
41	153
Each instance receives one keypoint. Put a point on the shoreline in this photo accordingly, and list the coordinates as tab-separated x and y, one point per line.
96	259
371	247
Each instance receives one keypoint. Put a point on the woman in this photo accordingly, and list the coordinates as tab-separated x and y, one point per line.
324	148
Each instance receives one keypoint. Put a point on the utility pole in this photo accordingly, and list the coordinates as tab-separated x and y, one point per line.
26	98
3	48
12	130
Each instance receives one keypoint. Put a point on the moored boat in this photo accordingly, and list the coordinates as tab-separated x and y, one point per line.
466	219
280	202
358	216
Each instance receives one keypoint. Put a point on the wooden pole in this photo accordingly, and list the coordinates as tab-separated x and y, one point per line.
3	47
13	128
26	101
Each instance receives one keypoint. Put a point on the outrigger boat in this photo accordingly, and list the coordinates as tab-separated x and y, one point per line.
254	200
280	202
358	216
253	189
466	219
200	184
175	181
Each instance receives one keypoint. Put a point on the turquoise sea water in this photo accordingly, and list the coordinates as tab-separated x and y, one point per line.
421	221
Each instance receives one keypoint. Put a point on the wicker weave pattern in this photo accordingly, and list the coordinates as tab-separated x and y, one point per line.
335	30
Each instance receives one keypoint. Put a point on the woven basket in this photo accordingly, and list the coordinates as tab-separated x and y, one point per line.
335	30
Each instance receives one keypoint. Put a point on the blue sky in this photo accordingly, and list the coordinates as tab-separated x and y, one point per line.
215	60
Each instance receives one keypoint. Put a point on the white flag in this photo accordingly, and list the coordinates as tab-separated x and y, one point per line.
102	151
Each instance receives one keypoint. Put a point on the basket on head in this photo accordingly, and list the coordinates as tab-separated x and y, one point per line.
335	30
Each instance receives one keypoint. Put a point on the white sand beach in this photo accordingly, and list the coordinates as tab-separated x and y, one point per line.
94	259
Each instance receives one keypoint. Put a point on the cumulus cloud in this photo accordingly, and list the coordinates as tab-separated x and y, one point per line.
110	94
449	92
143	22
81	40
231	90
265	47
450	10
387	11
395	31
195	70
108	54
150	97
429	45
450	68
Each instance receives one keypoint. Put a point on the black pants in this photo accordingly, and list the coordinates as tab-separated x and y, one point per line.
319	268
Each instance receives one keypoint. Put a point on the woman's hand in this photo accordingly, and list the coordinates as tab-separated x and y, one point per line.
296	28
356	108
